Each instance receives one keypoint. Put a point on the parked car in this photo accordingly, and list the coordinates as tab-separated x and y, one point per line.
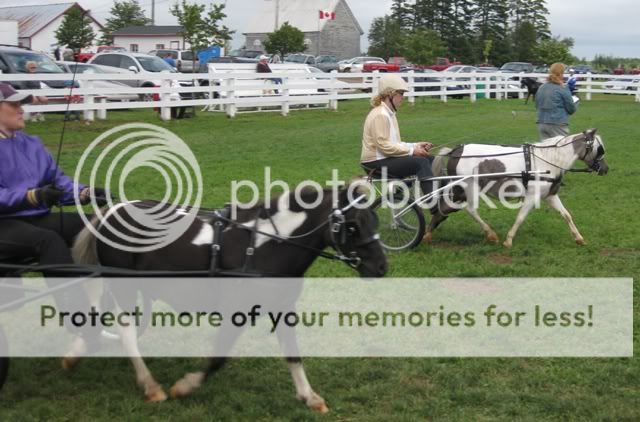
421	78
580	69
356	64
487	69
516	67
380	67
301	59
461	69
442	63
183	58
13	60
145	65
626	84
73	67
249	54
541	69
327	63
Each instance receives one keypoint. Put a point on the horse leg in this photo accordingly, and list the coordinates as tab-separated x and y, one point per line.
93	289
555	203
437	218
527	205
225	340
129	335
472	208
526	101
304	392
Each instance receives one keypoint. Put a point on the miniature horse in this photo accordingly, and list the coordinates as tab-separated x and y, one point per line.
532	86
554	156
273	253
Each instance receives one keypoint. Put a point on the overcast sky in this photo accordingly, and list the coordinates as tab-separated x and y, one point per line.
609	27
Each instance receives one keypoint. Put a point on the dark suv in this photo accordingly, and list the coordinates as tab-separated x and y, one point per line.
13	60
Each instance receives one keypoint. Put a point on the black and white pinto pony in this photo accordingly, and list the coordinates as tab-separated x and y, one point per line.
555	156
290	239
532	86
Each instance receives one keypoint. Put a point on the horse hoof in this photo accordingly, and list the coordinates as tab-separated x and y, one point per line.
320	408
581	242
427	238
493	238
69	363
176	392
507	244
156	396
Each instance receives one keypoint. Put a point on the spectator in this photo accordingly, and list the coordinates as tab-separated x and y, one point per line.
32	67
170	60
554	105
57	54
263	67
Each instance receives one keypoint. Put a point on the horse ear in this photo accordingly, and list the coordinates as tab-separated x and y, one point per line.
590	134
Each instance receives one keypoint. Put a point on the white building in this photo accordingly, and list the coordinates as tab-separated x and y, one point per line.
337	32
146	38
37	24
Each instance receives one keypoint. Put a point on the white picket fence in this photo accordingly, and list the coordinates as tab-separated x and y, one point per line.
234	88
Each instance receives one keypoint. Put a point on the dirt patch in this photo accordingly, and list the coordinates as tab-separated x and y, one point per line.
501	259
620	253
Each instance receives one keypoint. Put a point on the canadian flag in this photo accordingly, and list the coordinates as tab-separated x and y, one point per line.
327	15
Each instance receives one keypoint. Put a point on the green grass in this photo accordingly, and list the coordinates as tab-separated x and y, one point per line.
307	145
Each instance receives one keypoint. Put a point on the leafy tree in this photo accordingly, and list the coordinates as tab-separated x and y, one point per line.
525	42
201	30
287	39
555	50
488	44
75	31
423	46
402	11
386	37
123	14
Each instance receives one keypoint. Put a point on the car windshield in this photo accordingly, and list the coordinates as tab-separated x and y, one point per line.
85	68
43	63
516	67
296	58
154	64
327	59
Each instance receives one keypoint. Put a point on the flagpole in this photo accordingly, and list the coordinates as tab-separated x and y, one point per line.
318	40
277	14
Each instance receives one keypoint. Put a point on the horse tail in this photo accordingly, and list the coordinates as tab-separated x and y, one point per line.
437	167
85	247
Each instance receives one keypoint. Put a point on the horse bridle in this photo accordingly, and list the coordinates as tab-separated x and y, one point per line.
341	231
597	161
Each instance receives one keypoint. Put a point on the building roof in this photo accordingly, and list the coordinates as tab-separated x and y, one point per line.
304	15
32	19
149	30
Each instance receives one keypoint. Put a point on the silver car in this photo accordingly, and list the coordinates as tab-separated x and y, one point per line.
77	68
144	65
184	59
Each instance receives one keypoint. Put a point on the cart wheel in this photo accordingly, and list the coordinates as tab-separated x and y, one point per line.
399	232
4	358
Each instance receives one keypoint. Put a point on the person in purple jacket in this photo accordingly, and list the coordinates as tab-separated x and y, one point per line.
30	184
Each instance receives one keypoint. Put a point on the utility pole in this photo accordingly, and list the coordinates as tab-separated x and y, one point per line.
153	12
277	15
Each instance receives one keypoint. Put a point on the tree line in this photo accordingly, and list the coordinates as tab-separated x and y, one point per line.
471	31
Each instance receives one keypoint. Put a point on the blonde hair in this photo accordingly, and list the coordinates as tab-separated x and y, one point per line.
556	73
378	99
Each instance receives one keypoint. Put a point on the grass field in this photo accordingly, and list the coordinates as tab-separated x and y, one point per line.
307	145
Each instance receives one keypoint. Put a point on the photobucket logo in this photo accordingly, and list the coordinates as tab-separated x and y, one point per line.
451	193
158	154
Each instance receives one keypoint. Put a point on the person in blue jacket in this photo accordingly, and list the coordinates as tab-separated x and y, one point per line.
554	105
30	184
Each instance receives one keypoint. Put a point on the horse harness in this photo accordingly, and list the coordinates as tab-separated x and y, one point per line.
341	231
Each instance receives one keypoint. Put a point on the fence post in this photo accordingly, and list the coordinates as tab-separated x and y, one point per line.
412	97
443	90
333	92
520	93
101	114
499	88
472	96
89	113
589	87
165	112
230	107
285	96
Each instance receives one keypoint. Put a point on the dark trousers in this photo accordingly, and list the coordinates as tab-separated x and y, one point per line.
405	167
47	238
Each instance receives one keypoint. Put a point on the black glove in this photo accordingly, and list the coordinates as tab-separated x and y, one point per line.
48	196
100	195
